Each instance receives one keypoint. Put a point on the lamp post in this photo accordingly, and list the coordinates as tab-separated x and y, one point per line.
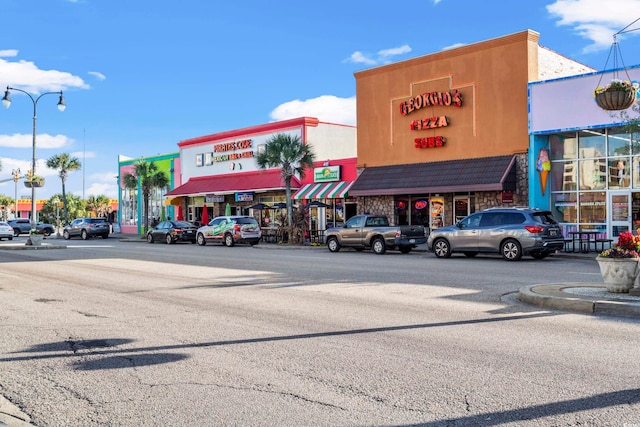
6	103
16	178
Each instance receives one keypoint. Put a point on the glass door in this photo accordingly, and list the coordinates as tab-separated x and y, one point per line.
461	208
619	212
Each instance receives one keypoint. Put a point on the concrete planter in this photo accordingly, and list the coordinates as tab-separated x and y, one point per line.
618	274
35	239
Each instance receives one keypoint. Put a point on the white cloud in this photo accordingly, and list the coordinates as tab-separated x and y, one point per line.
453	46
83	154
596	21
97	75
43	140
395	51
8	53
382	57
102	184
27	76
327	108
359	58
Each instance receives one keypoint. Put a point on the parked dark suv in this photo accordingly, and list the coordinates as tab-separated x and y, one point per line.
87	227
511	232
23	226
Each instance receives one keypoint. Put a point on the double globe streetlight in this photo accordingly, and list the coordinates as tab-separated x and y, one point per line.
6	103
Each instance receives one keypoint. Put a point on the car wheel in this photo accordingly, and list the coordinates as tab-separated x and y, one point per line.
16	232
169	240
149	238
511	250
11	238
253	243
378	246
470	254
539	255
47	233
405	249
65	234
84	235
228	240
441	248
201	240
333	244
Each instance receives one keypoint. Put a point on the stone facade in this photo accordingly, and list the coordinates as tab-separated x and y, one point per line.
384	205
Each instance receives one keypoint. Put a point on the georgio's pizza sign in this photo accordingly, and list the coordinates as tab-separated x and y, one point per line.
430	99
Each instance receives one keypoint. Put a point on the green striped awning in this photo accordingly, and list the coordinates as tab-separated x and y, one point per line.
327	190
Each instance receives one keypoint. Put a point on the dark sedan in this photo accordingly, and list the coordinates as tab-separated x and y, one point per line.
172	231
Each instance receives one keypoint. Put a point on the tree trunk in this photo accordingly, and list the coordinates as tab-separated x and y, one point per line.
64	205
287	186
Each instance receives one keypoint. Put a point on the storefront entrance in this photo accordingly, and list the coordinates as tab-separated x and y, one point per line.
620	210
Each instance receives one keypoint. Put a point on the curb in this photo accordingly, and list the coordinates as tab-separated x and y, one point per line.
11	415
553	296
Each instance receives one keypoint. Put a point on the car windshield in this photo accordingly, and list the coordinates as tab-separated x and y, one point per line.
96	220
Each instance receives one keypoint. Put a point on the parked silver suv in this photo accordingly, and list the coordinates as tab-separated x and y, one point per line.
230	230
511	232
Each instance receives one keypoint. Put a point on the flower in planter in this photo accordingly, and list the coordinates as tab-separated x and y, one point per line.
37	232
617	85
627	246
36	178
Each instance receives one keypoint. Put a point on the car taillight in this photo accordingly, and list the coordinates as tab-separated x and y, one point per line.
236	227
178	230
535	229
398	233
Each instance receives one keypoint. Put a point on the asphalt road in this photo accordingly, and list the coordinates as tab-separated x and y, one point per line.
131	334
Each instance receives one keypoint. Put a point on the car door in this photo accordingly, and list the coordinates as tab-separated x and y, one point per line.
75	227
352	231
465	238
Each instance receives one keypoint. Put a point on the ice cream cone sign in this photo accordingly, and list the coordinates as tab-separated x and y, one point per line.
544	166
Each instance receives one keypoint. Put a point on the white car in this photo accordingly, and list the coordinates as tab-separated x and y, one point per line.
6	231
230	230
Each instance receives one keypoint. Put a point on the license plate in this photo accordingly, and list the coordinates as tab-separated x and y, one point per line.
412	240
552	232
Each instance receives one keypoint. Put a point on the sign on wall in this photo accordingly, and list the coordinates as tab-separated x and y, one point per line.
326	174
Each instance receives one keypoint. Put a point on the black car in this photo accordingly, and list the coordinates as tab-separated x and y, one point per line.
23	226
87	227
172	231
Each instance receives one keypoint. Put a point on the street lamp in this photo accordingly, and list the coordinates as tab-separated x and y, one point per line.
6	103
16	178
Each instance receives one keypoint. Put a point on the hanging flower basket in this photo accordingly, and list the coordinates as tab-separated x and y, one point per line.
34	183
613	100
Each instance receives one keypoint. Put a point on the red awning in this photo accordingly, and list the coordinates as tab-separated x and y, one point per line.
233	183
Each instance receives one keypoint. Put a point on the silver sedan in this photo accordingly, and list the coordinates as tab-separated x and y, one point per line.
6	231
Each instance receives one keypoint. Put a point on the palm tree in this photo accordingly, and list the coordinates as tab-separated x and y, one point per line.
64	164
149	177
99	205
291	155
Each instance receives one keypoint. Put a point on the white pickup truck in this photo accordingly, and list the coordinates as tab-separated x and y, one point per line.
374	232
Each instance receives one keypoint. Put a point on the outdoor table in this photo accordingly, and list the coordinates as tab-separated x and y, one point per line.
584	239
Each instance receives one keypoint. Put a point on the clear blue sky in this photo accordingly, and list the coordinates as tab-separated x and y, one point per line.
140	76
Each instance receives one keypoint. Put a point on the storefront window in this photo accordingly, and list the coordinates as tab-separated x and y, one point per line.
401	210
563	146
619	143
619	172
563	207
635	172
564	176
593	174
593	207
591	143
420	210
